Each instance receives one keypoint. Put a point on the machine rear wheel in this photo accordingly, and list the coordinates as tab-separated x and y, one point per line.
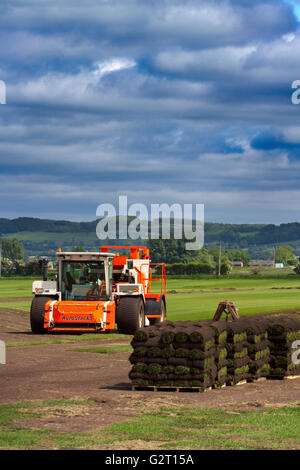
131	315
37	313
155	321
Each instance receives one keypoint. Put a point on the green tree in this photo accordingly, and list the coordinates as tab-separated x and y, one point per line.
283	254
225	268
297	268
33	267
12	249
12	268
238	255
78	248
171	251
7	267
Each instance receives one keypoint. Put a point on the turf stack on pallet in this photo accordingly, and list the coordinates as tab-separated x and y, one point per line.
205	353
237	352
220	331
282	332
258	346
179	354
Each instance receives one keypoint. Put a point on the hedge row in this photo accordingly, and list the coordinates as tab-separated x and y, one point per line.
197	268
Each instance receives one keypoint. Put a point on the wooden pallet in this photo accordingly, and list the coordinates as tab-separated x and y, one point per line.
282	377
156	388
260	379
215	386
231	384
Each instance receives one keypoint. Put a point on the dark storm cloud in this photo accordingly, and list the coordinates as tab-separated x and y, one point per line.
159	100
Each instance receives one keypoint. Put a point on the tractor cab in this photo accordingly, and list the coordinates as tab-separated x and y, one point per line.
84	277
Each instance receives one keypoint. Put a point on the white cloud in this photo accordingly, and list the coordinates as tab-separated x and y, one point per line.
291	134
224	59
289	37
81	87
113	65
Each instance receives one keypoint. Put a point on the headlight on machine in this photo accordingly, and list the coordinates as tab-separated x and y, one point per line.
129	289
39	290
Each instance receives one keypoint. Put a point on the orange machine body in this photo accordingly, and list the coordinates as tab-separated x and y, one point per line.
143	267
73	316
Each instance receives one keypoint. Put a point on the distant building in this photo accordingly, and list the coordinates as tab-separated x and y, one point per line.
239	264
262	262
50	266
279	265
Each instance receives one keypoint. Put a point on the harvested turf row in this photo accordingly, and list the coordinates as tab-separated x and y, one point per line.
257	346
205	353
237	352
220	332
181	355
282	331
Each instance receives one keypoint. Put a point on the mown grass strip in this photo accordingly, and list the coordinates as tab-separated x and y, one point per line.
72	339
173	428
215	429
105	350
19	305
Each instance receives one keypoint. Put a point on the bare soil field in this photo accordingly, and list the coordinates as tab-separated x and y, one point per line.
56	371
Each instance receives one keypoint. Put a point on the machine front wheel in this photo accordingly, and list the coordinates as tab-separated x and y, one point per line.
130	315
37	313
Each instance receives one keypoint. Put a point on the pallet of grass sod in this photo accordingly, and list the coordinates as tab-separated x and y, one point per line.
282	332
220	331
258	347
237	352
180	354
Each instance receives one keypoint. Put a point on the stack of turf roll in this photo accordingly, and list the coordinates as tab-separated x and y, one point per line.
283	331
258	346
148	357
179	354
220	331
237	352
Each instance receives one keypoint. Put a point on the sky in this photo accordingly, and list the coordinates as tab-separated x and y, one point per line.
181	101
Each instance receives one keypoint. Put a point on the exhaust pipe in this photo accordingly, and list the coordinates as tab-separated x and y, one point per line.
44	265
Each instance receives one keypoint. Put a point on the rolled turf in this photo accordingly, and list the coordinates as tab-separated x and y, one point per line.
205	353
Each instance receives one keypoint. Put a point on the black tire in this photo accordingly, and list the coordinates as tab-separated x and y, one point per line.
131	315
163	316
37	313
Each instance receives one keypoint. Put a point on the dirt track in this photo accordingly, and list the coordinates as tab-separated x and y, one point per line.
57	371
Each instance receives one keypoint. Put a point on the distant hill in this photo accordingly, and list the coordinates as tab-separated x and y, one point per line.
44	236
29	224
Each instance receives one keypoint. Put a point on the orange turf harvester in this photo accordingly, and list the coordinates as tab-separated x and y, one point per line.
95	291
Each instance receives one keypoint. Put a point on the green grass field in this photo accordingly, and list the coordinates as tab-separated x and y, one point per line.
251	296
15	287
21	424
71	339
197	299
203	428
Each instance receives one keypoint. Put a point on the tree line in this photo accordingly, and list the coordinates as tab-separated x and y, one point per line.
242	234
172	252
